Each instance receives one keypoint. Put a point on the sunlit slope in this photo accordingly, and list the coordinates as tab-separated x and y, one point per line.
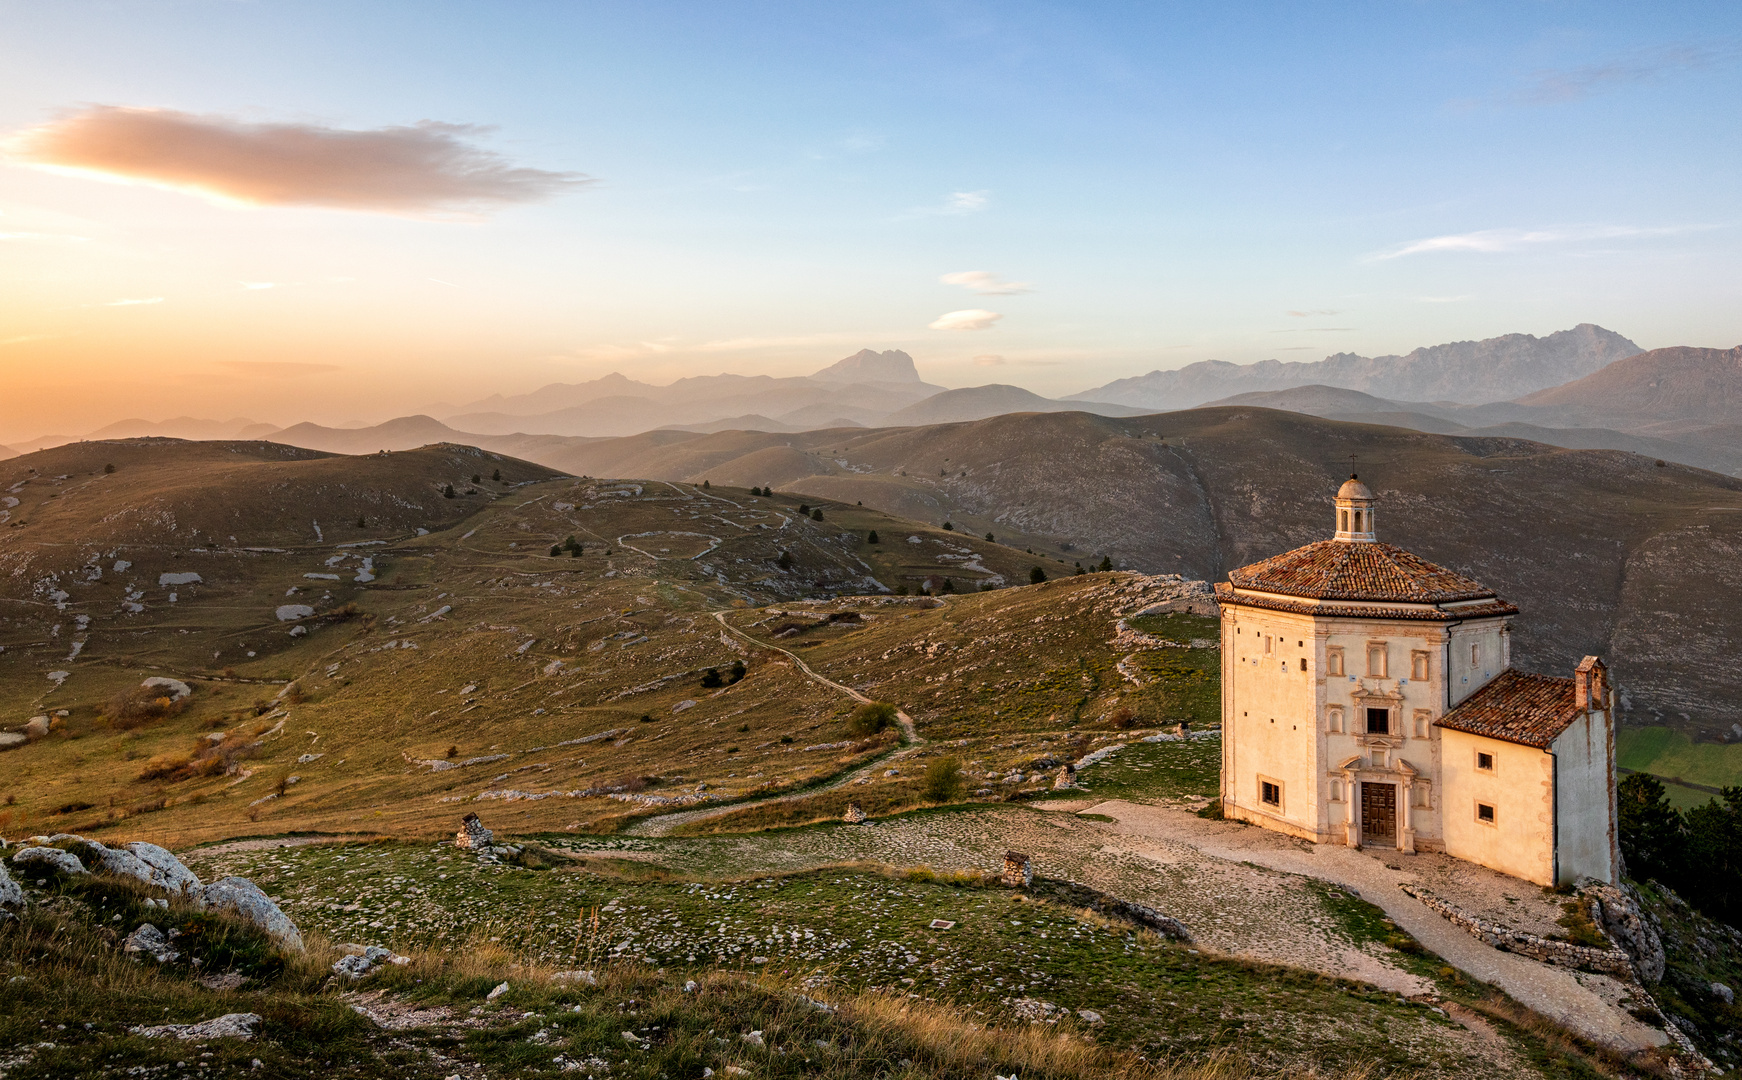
1606	552
472	662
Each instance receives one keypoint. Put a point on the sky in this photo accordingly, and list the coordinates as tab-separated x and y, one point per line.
345	212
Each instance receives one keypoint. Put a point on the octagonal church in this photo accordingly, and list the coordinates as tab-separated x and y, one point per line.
1369	699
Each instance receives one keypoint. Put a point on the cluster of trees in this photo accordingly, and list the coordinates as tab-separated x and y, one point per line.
1698	853
712	678
571	545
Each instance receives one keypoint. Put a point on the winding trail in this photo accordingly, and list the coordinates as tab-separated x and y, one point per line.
664	823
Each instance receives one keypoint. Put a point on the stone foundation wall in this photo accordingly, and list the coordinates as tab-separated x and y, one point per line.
1611	961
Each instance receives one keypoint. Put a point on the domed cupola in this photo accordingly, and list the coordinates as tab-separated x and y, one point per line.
1355	512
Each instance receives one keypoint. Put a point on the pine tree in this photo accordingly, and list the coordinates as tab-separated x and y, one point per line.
497	475
1036	575
817	514
711	678
785	560
361	524
555	550
1080	570
706	486
871	537
948	527
448	492
947	587
737	670
990	539
1106	564
804	508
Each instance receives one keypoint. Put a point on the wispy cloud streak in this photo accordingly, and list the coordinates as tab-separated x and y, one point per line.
417	169
1498	241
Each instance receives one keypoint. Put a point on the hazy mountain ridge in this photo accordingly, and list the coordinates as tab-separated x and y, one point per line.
1473	372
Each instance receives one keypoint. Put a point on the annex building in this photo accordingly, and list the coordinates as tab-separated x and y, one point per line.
1368	699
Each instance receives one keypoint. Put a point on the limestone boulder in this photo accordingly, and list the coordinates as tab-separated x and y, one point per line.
11	895
148	940
228	1026
1625	924
48	858
167	871
242	897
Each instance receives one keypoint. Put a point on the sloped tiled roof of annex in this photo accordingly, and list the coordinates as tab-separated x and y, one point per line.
1339	570
1516	707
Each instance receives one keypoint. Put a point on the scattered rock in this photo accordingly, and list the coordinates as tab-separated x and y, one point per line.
11	896
50	858
575	976
501	988
36	727
357	965
1723	993
243	897
1625	924
1090	1017
855	814
1036	1011
228	1026
148	940
754	1038
177	689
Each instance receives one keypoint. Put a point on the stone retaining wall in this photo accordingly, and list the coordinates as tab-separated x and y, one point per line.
1614	962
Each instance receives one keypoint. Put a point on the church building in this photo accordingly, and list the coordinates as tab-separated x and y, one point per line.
1369	699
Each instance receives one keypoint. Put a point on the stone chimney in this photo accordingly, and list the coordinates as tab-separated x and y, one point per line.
1018	874
855	814
1590	685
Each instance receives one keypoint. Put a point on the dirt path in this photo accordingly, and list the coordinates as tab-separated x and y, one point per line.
1586	1003
664	823
901	717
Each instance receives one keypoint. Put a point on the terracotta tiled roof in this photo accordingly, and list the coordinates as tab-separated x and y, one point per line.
1516	707
1226	595
1339	570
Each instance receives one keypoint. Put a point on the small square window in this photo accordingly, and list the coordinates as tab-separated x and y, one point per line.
1485	762
1270	794
1485	813
1378	721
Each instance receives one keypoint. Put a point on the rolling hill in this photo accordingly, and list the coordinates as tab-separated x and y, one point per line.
1606	551
1665	390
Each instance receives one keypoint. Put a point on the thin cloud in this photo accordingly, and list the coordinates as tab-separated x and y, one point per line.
986	283
422	168
956	204
1308	314
971	319
276	369
134	302
1560	86
989	360
1315	330
1499	241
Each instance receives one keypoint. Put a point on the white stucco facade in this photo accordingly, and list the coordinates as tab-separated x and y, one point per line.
1339	664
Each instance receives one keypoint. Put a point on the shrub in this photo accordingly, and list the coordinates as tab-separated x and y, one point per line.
738	671
711	678
477	479
948	586
497	475
943	780
1036	575
870	719
948	527
785	560
108	469
871	537
706	486
140	705
817	514
448	491
164	766
556	549
991	539
362	522
804	508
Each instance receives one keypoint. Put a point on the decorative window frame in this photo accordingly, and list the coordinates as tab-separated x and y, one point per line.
1423	723
1381	649
1493	818
1334	660
1420	665
1281	793
1334	722
1493	768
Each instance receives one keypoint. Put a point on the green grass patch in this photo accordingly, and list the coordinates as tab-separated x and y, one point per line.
1671	755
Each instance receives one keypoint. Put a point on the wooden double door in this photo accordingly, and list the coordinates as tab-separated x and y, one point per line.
1378	813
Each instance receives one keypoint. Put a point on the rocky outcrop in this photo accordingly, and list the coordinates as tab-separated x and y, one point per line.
167	871
48	858
1625	923
244	898
473	836
148	940
359	964
1610	961
228	1026
11	896
855	814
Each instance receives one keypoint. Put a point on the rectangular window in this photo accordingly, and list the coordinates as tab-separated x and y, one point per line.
1376	660
1335	717
1266	644
1378	721
1424	721
1303	663
1334	660
1485	762
1269	794
1475	654
1418	666
1484	813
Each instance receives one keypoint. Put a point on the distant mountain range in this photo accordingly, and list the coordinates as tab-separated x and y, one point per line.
1586	388
1469	372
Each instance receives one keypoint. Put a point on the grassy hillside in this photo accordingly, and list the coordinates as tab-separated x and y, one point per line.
472	664
1606	552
